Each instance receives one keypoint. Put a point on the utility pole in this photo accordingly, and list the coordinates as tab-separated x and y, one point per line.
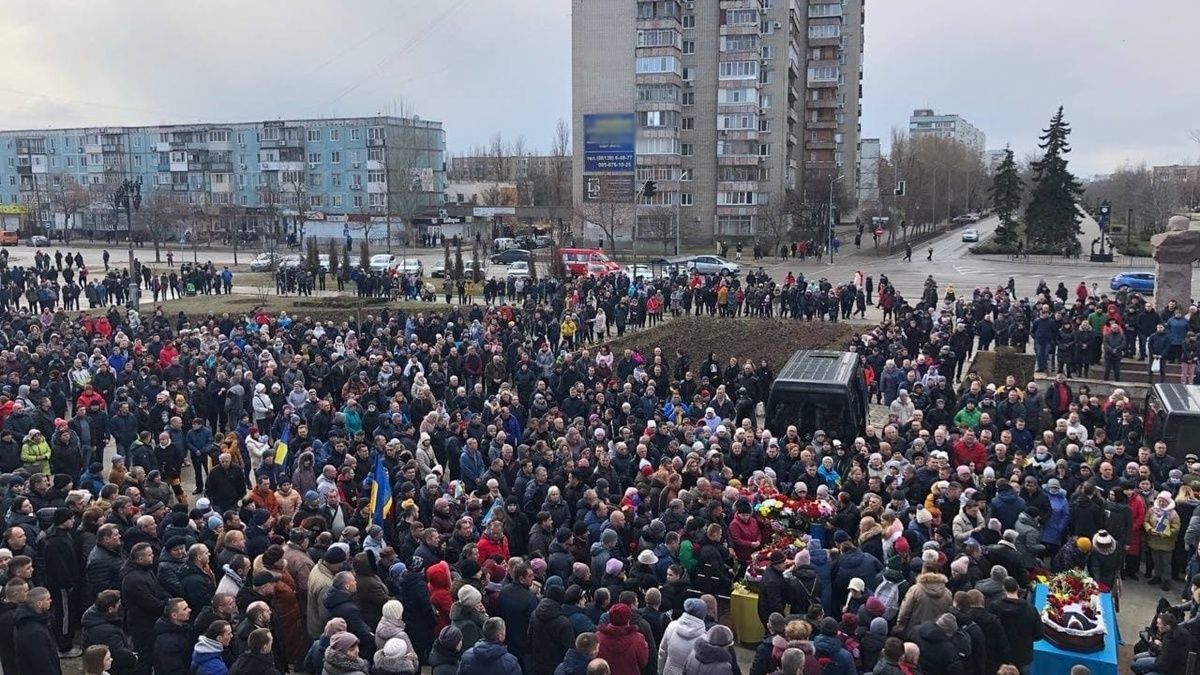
829	243
129	197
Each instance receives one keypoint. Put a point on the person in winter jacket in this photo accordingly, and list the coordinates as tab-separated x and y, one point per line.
515	605
439	582
1029	536
102	625
173	640
854	564
490	656
550	632
926	600
1022	624
577	658
680	637
713	654
621	645
339	603
939	655
208	654
446	652
343	656
1162	527
35	452
395	658
830	651
468	615
1172	653
36	650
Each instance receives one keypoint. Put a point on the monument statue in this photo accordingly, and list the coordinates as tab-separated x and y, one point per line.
1174	252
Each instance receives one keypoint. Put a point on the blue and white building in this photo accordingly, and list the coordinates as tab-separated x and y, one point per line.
308	177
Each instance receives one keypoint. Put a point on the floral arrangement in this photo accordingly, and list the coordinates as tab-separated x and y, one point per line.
761	559
1073	606
784	514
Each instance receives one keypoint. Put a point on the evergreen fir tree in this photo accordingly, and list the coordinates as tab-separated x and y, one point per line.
1006	191
446	263
1051	217
334	258
364	255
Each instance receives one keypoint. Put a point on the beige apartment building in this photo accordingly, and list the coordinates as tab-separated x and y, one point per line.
736	102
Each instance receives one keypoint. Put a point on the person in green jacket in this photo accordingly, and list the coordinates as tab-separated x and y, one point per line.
968	416
36	451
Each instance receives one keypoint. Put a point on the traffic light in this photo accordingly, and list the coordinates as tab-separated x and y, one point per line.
649	189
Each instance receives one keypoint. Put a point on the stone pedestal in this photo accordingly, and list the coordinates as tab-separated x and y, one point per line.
1174	252
1172	281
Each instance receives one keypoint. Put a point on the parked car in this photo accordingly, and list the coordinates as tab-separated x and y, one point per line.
965	219
382	262
411	266
638	271
323	262
291	261
510	255
263	262
519	268
9	238
469	268
970	234
438	270
503	243
1140	282
712	264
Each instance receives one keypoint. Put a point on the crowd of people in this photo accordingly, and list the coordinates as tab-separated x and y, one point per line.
477	490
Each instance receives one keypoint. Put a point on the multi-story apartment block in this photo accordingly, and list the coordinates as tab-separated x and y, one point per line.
737	102
925	122
541	180
291	170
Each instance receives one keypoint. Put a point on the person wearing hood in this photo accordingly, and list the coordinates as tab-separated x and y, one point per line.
1162	527
446	653
1029	535
372	593
342	656
939	654
208	654
551	631
828	648
680	637
871	642
490	656
418	608
926	600
1007	505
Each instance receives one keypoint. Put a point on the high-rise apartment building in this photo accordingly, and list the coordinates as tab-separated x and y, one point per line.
333	170
925	122
736	102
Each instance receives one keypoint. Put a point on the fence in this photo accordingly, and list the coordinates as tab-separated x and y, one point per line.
1119	261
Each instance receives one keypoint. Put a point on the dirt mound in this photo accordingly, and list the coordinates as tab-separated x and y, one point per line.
772	339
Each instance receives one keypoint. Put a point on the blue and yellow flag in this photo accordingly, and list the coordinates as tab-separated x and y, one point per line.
281	446
381	492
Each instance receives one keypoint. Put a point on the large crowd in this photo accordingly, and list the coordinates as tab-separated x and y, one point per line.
480	489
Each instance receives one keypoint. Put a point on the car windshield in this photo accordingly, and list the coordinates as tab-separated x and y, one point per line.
810	412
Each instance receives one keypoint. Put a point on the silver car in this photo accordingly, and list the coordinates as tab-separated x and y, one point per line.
712	264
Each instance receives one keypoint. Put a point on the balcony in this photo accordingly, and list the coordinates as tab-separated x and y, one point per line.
220	167
112	147
820	104
739	160
821	124
828	144
375	142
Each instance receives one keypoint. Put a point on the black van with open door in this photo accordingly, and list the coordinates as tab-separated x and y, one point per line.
1172	414
819	389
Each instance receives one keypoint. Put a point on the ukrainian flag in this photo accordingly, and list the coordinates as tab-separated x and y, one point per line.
381	492
281	446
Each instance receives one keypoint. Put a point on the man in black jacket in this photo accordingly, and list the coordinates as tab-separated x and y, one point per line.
1172	653
1022	624
16	592
773	588
144	599
173	639
105	561
61	553
102	626
36	650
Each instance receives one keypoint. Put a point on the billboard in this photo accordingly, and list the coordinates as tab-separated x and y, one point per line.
609	142
607	188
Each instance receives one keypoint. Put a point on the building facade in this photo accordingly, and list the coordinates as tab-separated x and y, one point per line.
736	103
1177	173
925	122
289	172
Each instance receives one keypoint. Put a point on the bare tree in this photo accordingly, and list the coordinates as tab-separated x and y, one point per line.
69	198
409	174
159	219
777	220
610	217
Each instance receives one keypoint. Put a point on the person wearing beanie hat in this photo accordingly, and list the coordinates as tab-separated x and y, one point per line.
871	642
621	644
342	655
468	615
1105	562
446	652
613	567
214	522
695	607
552	628
395	658
1162	529
875	607
960	567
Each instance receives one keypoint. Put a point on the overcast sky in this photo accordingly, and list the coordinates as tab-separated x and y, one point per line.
1123	70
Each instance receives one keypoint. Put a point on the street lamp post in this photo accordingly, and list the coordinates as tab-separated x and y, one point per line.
129	197
829	243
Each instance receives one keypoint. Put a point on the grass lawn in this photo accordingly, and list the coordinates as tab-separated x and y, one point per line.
335	308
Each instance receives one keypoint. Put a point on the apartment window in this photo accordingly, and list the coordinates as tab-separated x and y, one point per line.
687	74
685	199
12	180
219	178
824	9
657	146
658	93
375	177
137	161
356	134
688	123
70	160
764	125
736	121
314	158
376	134
739	43
374	154
741	17
218	137
290	177
241	181
658	118
314	201
768	51
335	179
657	64
686	149
735	224
244	200
764	149
765	100
824	31
738	70
645	173
335	201
314	135
689	46
748	95
335	157
731	174
355	155
357	200
766	76
176	157
659	199
658	38
314	180
823	74
735	198
688	21
270	133
375	199
241	137
689	98
356	180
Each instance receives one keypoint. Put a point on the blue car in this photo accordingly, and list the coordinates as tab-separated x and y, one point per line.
1140	282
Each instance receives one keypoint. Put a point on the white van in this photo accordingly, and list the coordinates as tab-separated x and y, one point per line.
503	243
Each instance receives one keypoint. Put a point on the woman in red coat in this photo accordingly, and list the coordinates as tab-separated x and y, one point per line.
621	645
1133	550
744	532
437	577
493	543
